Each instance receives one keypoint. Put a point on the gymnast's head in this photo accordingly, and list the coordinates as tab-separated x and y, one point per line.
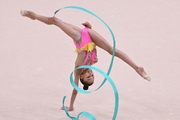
87	78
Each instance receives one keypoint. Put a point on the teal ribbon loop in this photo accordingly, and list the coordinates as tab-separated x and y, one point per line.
86	114
107	78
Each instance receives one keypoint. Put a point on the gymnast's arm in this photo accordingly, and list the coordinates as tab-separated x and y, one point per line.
79	62
74	92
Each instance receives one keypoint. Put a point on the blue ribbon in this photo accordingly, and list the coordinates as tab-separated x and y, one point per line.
86	114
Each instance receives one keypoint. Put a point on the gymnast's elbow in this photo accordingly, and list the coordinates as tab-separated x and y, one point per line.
75	92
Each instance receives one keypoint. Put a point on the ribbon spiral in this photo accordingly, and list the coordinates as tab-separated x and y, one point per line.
107	78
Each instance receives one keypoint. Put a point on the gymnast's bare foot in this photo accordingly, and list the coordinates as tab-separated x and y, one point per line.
142	73
28	14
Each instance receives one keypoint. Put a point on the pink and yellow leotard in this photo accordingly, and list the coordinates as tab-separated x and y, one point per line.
88	47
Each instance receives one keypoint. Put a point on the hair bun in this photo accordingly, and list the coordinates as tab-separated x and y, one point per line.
85	87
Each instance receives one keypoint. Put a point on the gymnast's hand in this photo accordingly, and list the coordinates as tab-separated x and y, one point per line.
87	25
68	108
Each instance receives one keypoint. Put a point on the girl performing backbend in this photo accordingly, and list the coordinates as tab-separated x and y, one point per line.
85	40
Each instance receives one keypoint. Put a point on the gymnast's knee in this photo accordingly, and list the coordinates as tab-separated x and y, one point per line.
111	50
53	20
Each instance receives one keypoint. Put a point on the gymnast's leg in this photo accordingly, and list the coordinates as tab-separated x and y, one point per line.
72	31
102	43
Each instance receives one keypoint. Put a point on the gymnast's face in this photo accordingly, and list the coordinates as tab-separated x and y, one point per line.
87	76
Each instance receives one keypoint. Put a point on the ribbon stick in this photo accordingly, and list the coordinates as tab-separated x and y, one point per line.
107	78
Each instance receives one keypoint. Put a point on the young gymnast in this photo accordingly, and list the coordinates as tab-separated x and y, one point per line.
85	40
